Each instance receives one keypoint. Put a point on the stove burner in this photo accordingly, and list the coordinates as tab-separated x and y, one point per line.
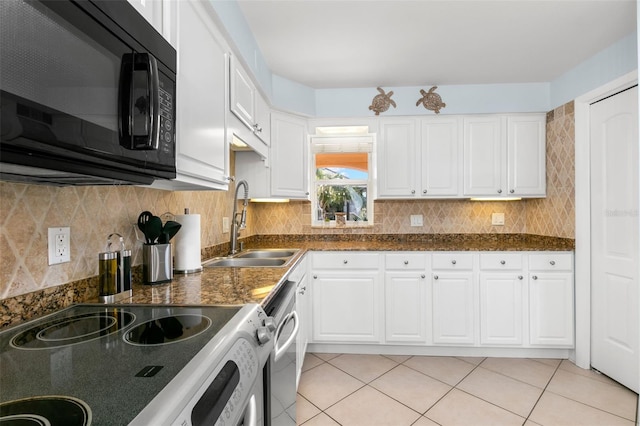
48	410
167	330
72	330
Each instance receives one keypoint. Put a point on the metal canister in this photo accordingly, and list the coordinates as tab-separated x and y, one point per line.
108	273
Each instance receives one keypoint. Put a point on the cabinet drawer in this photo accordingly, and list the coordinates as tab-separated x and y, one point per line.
552	261
406	261
345	260
453	261
501	261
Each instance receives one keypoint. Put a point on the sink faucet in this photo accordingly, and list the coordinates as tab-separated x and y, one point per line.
240	223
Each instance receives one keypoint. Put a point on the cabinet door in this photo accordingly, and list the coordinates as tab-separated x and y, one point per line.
242	94
551	309
398	158
441	154
346	307
262	127
484	156
501	308
405	303
454	310
526	150
289	162
202	149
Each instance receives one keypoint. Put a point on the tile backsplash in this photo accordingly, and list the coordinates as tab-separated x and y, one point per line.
92	213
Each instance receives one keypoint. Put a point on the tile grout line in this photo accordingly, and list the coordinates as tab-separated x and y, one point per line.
543	391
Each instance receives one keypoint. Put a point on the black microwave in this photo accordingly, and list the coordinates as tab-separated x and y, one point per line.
87	94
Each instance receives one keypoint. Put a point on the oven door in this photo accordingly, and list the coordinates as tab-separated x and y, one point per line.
81	95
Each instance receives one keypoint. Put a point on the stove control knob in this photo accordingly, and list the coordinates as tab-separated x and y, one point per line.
263	335
270	323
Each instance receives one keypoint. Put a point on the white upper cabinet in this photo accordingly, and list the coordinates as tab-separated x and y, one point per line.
289	157
246	103
202	147
419	158
161	14
441	153
504	156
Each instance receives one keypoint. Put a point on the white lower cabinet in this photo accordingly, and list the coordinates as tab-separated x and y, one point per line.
495	300
347	303
405	287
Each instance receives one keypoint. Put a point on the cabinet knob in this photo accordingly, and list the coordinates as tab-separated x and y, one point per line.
424	191
315	277
499	191
435	277
552	263
502	262
406	262
453	262
512	191
520	277
413	191
345	261
422	276
535	277
306	193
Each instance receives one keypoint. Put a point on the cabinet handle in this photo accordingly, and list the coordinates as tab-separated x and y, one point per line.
315	277
552	263
413	191
424	191
512	191
499	191
422	276
535	277
406	262
453	262
345	261
435	277
502	262
520	277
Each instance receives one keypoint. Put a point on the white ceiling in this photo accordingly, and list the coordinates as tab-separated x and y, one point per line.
369	43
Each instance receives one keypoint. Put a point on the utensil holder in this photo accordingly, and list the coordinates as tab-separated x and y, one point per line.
157	263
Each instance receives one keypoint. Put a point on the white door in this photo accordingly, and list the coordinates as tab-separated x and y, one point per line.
614	233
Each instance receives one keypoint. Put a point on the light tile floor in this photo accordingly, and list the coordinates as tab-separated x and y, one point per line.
372	390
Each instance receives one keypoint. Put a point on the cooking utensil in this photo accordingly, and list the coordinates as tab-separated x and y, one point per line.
143	219
153	229
170	229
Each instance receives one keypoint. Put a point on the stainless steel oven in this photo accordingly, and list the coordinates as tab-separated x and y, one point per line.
87	92
280	370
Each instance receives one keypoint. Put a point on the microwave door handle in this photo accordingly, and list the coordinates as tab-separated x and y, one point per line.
154	101
125	105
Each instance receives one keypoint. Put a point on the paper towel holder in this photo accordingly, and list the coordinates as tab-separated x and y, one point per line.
192	268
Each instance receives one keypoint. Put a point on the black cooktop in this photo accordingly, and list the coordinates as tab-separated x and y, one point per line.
99	364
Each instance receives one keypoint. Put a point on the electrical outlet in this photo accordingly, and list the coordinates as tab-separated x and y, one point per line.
416	220
497	219
59	245
226	226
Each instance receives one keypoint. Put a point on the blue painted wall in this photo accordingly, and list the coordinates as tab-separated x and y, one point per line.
609	64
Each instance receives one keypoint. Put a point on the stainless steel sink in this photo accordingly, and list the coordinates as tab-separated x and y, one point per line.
254	259
235	262
266	254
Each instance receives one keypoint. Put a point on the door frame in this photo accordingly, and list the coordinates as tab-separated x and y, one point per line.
582	352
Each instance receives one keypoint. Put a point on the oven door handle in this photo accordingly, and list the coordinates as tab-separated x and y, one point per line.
278	351
251	413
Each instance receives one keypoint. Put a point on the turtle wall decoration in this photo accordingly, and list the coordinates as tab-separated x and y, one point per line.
431	100
381	102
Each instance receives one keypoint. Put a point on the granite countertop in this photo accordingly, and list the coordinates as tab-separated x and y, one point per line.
236	286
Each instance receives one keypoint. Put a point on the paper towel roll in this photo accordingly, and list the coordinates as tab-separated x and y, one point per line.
187	244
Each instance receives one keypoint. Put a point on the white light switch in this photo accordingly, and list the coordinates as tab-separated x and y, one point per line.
497	219
416	220
226	226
